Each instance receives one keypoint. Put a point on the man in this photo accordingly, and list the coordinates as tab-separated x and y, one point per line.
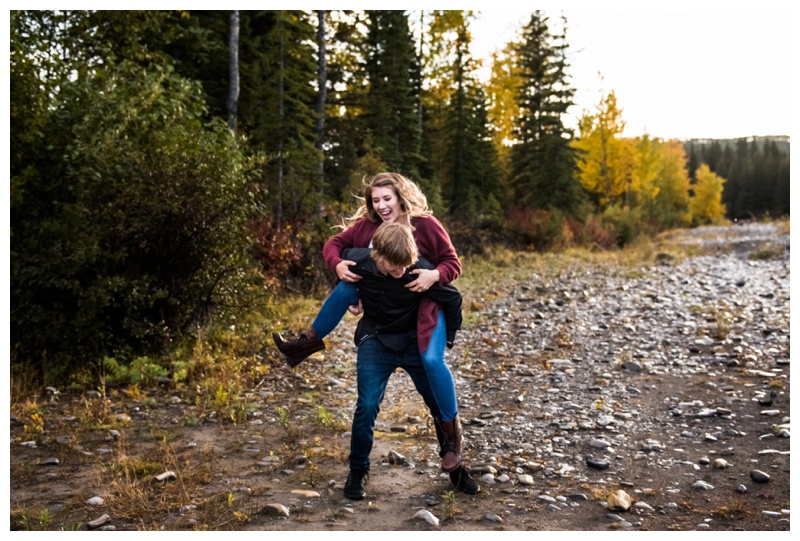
386	340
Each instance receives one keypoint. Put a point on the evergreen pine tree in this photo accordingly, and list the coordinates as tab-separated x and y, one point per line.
542	161
391	108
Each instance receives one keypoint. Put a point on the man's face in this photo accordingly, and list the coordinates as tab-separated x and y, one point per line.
392	270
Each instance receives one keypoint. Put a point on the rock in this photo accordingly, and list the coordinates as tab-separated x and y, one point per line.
719	464
702	485
427	516
597	464
306	493
487	478
166	476
741	488
98	522
492	517
759	476
599	444
396	459
525	479
51	461
95	500
275	509
619	500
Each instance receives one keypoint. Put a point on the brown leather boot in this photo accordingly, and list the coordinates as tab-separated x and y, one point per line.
297	350
451	447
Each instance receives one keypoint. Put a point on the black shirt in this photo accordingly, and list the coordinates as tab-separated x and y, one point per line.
390	310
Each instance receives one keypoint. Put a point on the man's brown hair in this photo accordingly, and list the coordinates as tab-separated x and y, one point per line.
393	243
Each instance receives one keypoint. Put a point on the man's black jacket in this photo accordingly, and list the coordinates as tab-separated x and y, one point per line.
390	310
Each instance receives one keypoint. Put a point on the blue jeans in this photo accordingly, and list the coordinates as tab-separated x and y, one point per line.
376	363
441	379
334	308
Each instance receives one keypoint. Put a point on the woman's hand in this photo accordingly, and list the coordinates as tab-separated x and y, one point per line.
425	279
343	271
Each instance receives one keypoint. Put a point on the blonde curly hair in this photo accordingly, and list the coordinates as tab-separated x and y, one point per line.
412	201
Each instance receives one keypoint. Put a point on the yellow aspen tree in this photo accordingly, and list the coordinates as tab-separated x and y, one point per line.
608	162
649	151
706	205
673	183
502	91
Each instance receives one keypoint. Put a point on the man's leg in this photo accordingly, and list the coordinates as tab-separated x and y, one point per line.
411	362
376	363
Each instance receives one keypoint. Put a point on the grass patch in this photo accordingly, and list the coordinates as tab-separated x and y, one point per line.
768	250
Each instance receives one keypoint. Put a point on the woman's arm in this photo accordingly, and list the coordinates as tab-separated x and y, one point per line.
352	237
434	244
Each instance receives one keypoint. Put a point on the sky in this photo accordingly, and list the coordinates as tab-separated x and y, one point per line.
678	73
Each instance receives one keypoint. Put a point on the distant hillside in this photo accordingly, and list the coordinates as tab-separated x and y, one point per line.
781	141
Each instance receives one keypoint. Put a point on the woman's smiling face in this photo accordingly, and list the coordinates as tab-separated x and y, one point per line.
385	203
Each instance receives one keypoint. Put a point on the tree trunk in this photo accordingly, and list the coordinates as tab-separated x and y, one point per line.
321	97
279	211
233	95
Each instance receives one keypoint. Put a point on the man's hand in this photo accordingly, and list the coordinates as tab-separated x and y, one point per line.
343	271
425	279
356	309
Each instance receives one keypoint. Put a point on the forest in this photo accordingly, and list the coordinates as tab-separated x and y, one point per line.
172	169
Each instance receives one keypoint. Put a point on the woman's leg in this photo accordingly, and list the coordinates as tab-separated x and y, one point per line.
310	340
444	389
335	306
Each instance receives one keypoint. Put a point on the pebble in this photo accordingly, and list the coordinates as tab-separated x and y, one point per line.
719	464
525	479
599	444
95	500
597	464
702	485
759	476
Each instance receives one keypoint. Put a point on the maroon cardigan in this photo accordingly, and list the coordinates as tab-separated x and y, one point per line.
433	244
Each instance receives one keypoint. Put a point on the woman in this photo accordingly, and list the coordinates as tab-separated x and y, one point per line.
391	197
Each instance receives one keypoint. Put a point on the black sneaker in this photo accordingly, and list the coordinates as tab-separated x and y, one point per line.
356	481
462	481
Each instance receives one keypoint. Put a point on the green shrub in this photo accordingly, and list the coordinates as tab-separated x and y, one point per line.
136	233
